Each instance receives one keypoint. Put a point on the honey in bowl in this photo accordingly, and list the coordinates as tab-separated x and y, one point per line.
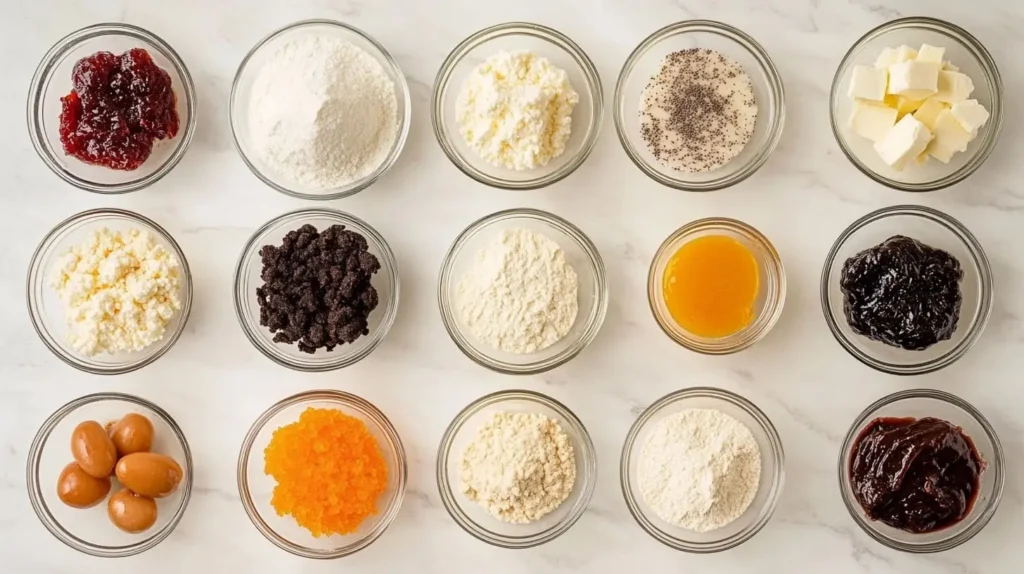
710	286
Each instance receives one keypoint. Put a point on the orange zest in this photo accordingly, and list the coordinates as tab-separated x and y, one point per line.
329	471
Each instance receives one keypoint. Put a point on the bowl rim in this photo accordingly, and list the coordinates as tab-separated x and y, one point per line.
43	74
992	76
250	252
748	336
453	326
36	272
349	400
586	480
401	89
985	295
593	86
995	466
777	481
775	86
38	501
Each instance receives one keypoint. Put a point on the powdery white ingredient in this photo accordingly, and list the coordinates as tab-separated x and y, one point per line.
519	467
515	110
118	289
699	469
323	112
519	295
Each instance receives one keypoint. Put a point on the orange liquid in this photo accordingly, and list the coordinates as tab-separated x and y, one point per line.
711	285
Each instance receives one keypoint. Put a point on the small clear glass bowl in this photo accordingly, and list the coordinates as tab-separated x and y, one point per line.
770	298
90	530
52	81
965	52
543	41
644	63
773	462
47	313
920	403
247	279
932	228
241	92
472	517
581	254
256	488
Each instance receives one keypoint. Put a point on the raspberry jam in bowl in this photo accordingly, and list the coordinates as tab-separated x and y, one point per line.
111	108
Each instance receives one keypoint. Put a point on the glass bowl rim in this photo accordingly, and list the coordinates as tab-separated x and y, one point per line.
593	86
586	480
35	489
250	253
992	76
590	331
995	466
404	114
47	66
776	304
349	400
778	479
775	85
36	271
978	257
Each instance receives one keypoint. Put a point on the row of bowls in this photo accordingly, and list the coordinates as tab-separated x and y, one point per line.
928	225
52	81
88	533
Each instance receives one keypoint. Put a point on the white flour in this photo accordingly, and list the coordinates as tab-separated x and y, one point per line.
519	296
699	469
323	112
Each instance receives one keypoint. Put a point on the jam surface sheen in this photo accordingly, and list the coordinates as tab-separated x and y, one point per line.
117	108
917	475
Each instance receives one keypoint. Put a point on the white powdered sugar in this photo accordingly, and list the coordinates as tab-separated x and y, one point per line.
322	113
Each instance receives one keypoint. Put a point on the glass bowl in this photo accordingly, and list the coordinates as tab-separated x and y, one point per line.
581	254
770	297
645	61
964	51
546	42
921	403
933	228
472	517
772	471
247	279
89	530
255	487
45	308
241	92
52	81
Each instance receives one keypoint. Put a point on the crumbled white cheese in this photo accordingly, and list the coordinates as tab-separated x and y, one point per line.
118	289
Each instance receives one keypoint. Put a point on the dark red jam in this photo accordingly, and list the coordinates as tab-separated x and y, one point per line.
918	475
118	107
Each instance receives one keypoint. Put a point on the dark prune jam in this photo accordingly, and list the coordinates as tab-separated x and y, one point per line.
918	475
902	293
118	107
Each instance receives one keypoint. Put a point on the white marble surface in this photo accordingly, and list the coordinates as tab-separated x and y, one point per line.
215	383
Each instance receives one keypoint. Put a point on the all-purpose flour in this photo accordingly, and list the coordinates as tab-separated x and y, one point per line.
323	112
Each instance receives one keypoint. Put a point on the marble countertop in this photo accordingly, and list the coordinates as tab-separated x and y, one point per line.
215	383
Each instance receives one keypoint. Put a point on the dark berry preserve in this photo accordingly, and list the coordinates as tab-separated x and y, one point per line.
117	108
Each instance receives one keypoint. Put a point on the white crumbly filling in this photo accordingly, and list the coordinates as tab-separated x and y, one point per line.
515	110
118	290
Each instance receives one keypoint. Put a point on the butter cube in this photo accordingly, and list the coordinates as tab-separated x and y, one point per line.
905	141
871	120
929	53
868	83
906	105
886	58
929	112
949	67
970	114
913	80
950	137
905	54
953	87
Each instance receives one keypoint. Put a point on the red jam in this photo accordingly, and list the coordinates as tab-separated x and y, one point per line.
118	107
